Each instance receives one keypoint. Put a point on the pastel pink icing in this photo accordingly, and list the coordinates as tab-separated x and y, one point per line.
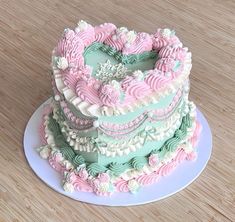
142	43
71	47
55	161
167	168
194	138
147	179
42	133
153	160
109	95
126	82
138	89
160	40
87	93
102	180
103	31
122	186
157	80
79	183
71	78
181	156
165	64
173	51
116	40
87	35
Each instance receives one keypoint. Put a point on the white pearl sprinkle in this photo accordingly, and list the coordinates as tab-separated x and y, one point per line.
57	98
96	124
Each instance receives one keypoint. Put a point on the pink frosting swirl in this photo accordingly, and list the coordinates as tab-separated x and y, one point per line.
165	64
42	133
87	35
153	160
87	93
78	183
181	156
156	80
164	37
147	179
70	79
197	131
142	43
126	82
103	31
174	52
117	39
83	174
82	185
122	186
138	89
192	156
109	95
71	47
103	177
167	168
55	159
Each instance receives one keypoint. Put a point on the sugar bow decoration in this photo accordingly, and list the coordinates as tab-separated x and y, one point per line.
146	133
97	143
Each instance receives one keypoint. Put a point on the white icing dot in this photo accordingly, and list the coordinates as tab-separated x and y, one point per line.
167	74
127	45
57	97
96	124
114	37
150	114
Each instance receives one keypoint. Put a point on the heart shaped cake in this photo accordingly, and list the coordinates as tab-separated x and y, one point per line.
120	118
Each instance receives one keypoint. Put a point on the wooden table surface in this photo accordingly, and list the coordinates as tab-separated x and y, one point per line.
29	29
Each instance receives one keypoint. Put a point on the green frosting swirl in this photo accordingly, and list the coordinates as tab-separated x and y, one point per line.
187	121
53	126
78	160
93	47
94	168
180	134
67	152
138	162
60	141
172	144
118	168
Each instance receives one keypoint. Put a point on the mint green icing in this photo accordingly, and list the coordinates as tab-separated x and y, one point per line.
78	160
67	152
94	168
138	162
119	168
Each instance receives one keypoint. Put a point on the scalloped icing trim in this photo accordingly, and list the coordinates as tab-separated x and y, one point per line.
125	147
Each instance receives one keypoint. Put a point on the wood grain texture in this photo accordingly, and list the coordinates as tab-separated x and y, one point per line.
29	29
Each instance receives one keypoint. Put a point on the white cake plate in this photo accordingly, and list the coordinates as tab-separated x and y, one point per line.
181	177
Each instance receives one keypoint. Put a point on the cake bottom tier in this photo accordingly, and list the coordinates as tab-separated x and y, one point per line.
78	176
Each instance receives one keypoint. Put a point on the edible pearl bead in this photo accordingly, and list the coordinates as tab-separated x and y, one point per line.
57	97
96	124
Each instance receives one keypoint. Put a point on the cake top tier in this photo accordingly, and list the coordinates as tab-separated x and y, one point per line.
104	70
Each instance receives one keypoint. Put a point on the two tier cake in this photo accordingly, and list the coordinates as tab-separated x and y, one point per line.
120	117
